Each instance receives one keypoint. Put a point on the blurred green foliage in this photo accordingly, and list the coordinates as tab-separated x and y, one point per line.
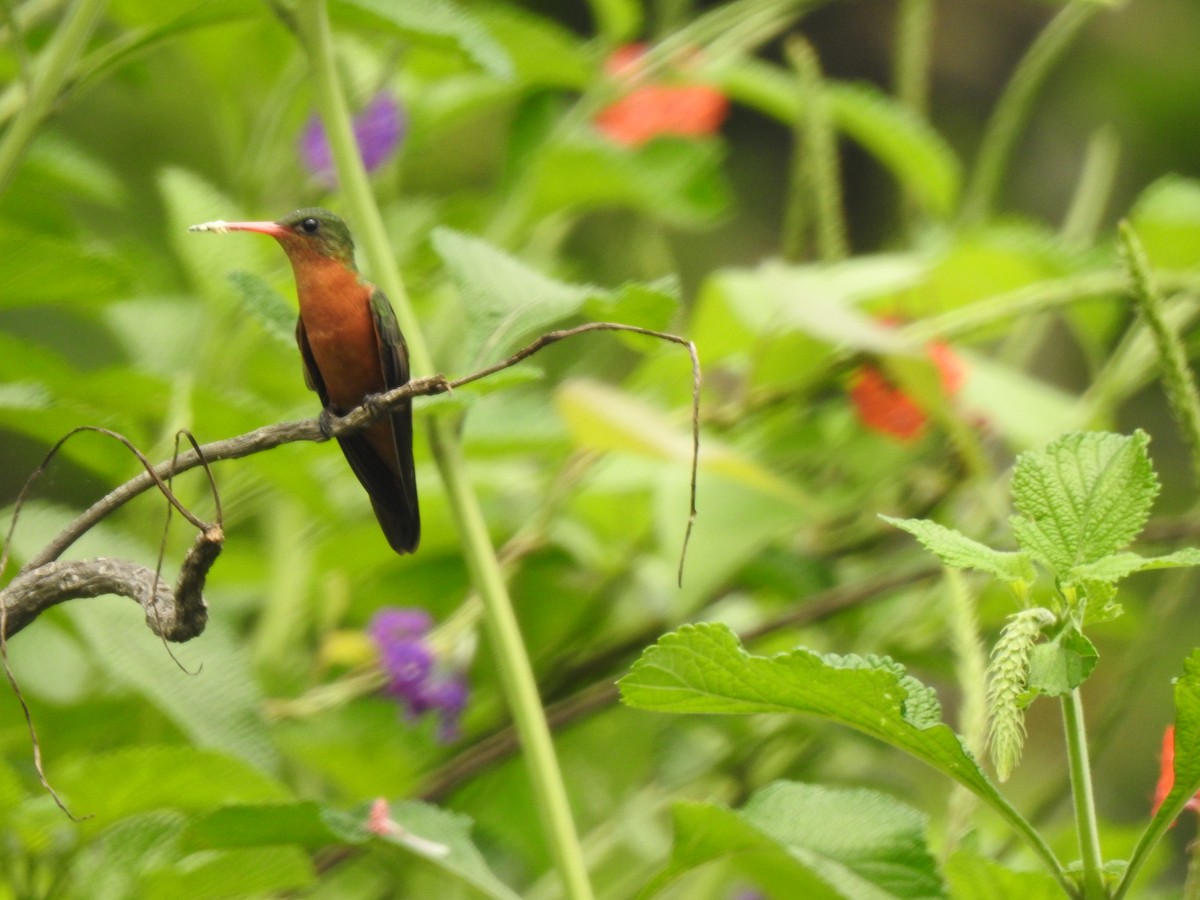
245	769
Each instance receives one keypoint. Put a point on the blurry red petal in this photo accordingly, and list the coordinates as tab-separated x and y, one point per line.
884	408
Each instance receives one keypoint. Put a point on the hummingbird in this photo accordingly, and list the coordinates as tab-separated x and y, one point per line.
352	349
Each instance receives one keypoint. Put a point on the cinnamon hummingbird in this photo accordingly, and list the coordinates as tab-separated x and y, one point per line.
352	349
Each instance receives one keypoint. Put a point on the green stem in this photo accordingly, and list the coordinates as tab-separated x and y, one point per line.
516	672
910	75
816	140
50	74
1081	790
1013	108
1178	382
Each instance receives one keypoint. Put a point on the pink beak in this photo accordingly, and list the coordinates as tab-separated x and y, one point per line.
274	229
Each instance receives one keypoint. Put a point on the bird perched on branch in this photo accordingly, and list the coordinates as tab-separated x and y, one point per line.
352	349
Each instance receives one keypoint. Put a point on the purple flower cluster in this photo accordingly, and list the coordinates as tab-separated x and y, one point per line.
378	131
414	678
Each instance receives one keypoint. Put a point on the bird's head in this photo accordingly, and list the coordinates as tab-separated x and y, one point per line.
310	233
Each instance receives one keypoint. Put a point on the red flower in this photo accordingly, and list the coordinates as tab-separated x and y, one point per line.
1166	773
885	408
651	110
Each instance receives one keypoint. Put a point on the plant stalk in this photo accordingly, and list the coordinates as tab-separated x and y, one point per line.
516	672
1085	804
50	73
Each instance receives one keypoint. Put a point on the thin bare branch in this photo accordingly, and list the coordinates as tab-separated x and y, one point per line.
271	436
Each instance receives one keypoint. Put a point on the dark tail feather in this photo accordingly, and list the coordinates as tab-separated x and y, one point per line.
402	528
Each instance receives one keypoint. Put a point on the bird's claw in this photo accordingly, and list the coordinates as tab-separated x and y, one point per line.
327	421
373	404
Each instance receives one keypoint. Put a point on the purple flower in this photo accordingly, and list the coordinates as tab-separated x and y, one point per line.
378	131
414	677
448	697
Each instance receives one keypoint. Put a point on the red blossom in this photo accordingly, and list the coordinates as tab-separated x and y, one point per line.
1166	773
652	110
884	407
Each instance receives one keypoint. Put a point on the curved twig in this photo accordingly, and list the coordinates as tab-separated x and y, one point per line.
270	436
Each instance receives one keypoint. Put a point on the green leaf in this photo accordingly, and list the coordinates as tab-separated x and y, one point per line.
452	831
505	299
674	180
220	706
1082	497
957	550
276	315
1059	666
827	842
1167	219
110	786
249	825
214	875
1112	569
973	877
440	23
36	269
606	419
703	669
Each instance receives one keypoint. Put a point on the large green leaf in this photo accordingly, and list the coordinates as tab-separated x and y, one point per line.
811	841
36	269
1083	497
505	299
110	786
972	877
703	669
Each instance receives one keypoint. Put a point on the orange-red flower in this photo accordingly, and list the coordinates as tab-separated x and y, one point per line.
1166	773
651	110
884	407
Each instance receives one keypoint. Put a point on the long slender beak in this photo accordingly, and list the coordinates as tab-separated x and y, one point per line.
274	229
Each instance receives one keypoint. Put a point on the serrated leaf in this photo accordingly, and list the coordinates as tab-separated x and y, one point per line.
440	23
826	842
703	669
1082	497
505	299
1059	666
1112	569
275	314
957	550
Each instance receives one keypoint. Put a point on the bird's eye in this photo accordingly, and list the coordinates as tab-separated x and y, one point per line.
310	226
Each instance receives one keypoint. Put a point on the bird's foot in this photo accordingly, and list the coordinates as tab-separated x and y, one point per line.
327	421
373	404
